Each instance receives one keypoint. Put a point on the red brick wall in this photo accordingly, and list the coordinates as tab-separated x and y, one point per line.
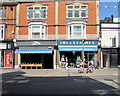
9	21
62	17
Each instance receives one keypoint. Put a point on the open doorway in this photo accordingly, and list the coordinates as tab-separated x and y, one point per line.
45	59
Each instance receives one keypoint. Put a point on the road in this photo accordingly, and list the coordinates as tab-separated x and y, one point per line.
61	81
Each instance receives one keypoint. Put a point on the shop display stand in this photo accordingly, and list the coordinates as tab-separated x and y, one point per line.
30	66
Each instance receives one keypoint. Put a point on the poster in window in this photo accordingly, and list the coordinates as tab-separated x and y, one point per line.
8	60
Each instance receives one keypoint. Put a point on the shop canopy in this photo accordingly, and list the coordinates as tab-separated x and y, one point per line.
33	52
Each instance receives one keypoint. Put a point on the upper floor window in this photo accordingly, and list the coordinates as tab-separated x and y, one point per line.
76	30
83	11
37	12
2	12
37	30
2	28
74	11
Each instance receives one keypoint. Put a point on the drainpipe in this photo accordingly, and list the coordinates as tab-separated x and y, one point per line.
17	18
56	17
56	33
97	17
101	66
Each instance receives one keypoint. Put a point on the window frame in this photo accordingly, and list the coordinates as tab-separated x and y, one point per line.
2	35
79	11
85	9
40	14
5	13
72	35
41	30
1	12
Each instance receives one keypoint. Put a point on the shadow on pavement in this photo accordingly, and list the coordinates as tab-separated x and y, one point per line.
15	84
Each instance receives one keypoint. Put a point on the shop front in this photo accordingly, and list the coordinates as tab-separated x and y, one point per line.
35	55
6	54
109	57
69	50
3	46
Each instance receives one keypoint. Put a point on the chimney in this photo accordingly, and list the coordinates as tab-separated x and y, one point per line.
112	18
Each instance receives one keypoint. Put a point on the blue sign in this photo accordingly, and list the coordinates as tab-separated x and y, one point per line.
77	42
77	49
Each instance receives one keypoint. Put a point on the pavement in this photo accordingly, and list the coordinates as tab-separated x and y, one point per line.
62	72
60	81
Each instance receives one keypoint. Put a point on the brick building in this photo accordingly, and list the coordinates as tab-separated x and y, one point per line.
7	32
48	32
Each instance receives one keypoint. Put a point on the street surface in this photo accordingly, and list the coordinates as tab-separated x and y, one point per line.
102	82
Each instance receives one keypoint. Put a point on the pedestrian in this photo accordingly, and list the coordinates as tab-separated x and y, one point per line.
63	63
78	61
66	62
90	68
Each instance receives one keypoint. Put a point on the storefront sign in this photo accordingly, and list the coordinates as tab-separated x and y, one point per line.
8	60
35	43
77	42
3	45
77	49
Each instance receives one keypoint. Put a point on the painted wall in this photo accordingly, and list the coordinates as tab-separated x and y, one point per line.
108	33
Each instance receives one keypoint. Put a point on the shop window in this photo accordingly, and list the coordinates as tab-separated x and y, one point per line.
2	28
74	11
39	12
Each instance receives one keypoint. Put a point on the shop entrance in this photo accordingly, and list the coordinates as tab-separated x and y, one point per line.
72	57
45	59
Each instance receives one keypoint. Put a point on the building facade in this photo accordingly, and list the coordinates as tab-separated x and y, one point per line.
7	33
49	31
110	44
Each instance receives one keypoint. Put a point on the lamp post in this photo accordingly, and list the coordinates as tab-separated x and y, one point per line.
15	46
83	54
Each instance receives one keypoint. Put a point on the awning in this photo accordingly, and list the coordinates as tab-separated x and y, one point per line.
33	52
77	49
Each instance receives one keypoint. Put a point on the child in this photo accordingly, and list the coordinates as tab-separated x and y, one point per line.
90	68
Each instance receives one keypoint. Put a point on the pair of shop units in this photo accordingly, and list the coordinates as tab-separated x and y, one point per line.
50	52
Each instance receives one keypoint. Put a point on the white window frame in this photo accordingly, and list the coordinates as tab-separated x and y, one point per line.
1	13
41	31
79	9
2	36
84	10
5	15
71	34
40	11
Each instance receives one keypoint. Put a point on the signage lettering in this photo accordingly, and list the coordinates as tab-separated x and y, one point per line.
36	43
76	42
